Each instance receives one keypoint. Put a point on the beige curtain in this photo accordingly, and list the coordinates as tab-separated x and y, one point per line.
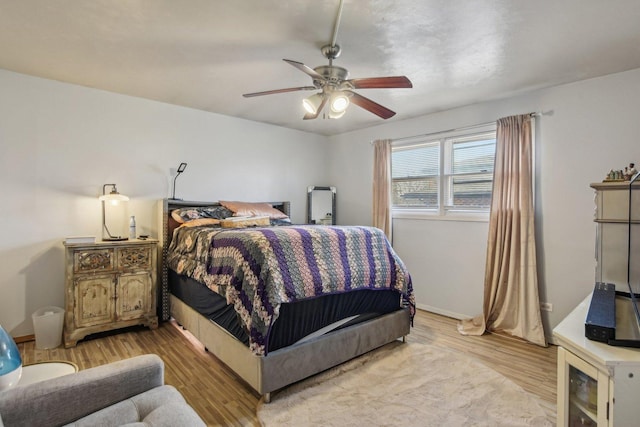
382	186
511	302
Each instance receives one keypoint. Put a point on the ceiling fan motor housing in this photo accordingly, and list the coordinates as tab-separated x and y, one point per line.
334	76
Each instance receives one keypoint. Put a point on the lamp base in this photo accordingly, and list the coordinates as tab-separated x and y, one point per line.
114	239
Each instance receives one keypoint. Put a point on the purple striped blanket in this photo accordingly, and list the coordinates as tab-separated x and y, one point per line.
258	269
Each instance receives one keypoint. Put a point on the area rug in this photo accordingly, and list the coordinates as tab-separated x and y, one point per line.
406	384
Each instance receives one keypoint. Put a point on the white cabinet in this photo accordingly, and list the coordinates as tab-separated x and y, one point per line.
598	384
585	392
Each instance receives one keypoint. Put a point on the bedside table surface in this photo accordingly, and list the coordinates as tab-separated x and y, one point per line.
111	243
46	370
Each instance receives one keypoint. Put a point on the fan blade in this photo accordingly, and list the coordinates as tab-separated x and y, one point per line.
310	71
381	83
370	106
271	92
310	116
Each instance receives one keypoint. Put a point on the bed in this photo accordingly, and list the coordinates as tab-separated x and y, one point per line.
272	314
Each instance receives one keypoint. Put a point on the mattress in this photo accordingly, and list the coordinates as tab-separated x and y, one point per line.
298	320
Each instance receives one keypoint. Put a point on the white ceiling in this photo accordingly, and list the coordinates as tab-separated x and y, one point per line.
205	54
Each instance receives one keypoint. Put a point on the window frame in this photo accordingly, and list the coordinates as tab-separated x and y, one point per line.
446	141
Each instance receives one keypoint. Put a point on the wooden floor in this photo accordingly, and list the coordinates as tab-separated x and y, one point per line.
221	399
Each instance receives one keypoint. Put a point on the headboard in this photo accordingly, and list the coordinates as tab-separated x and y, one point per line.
166	226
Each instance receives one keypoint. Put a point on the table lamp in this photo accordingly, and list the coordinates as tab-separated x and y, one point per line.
181	169
113	198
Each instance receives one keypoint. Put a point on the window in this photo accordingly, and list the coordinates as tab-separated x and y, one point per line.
444	173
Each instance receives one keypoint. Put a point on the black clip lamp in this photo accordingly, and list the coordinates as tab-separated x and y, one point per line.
114	198
181	169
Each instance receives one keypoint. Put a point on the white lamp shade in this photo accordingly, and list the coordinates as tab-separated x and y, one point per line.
312	103
113	197
118	197
339	103
336	115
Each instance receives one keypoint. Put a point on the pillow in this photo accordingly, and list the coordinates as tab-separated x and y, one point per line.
201	221
253	209
239	222
188	214
275	222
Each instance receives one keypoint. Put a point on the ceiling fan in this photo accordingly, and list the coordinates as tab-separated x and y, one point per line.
336	88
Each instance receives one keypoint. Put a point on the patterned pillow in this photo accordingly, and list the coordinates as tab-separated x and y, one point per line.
183	215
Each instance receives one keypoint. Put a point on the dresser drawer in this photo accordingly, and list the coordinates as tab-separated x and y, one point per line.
93	260
134	258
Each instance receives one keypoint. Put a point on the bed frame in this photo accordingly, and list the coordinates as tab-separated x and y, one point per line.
285	366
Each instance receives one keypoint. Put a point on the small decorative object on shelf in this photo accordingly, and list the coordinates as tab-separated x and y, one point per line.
630	171
10	361
613	176
621	175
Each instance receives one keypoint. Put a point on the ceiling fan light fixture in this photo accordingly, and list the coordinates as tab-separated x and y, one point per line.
336	115
335	86
339	103
312	103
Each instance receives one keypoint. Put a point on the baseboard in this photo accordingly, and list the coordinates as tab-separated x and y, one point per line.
442	312
25	338
458	316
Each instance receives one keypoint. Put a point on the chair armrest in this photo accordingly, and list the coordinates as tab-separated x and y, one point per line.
65	399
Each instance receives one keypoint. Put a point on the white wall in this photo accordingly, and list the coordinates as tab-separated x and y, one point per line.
60	143
588	128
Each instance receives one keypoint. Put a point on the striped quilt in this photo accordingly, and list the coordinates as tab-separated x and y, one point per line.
258	269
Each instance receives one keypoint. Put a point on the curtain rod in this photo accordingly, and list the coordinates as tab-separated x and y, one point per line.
406	138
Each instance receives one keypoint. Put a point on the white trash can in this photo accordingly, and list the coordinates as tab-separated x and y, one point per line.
47	323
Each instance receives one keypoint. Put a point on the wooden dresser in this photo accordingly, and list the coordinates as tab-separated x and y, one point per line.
109	285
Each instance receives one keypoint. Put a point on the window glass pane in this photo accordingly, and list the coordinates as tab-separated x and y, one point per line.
415	192
472	191
450	171
416	161
473	156
472	161
415	172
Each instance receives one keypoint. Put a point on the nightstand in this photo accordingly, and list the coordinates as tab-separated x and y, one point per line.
109	285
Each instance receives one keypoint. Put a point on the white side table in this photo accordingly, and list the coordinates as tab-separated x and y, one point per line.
46	370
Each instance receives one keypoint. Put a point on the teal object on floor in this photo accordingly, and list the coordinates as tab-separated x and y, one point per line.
10	361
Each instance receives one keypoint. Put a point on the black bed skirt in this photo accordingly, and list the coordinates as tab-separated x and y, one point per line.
296	320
